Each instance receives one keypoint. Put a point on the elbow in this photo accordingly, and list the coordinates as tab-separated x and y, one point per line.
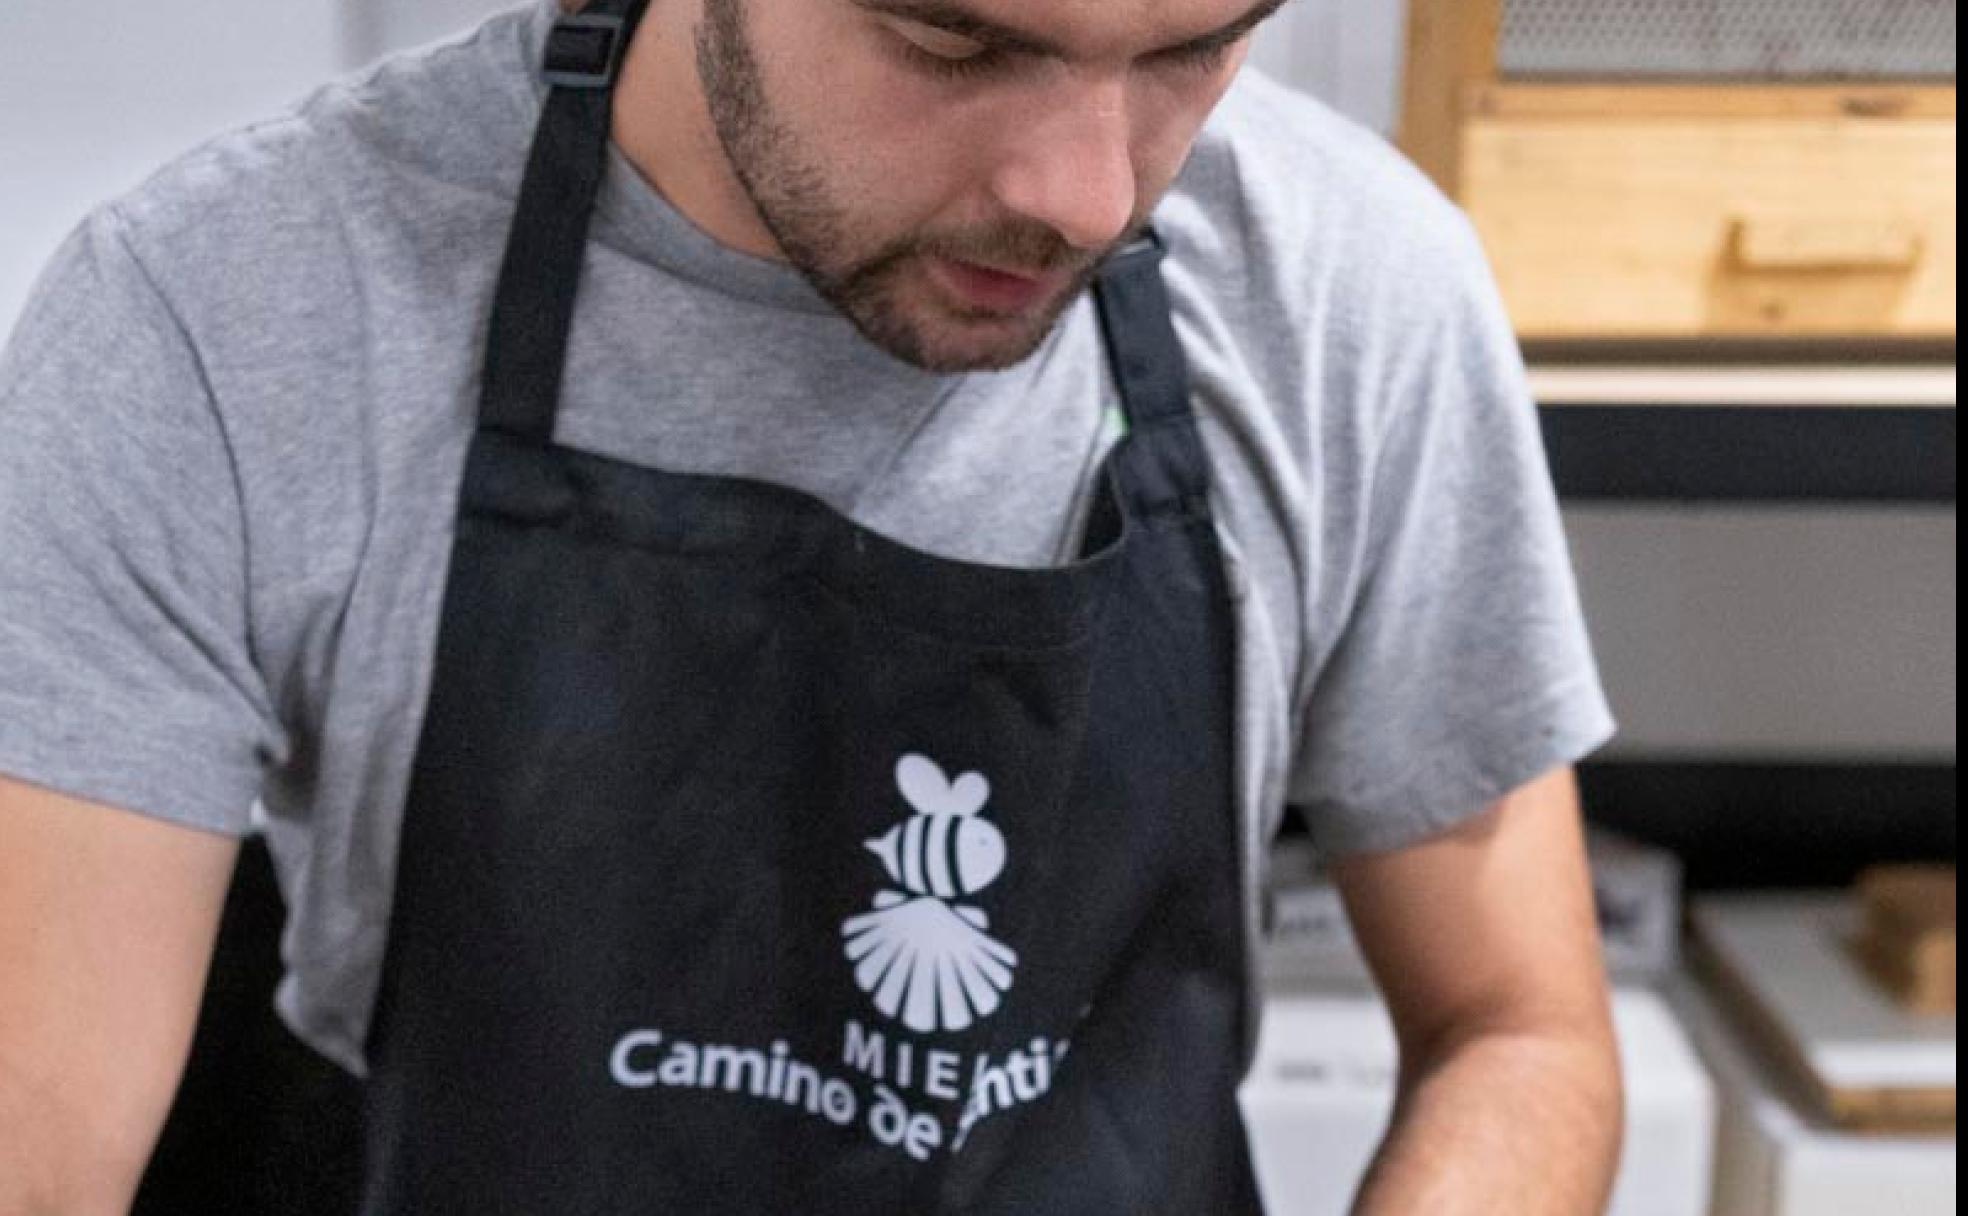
1564	1078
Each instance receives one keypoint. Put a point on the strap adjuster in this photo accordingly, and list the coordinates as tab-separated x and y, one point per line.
584	51
1148	246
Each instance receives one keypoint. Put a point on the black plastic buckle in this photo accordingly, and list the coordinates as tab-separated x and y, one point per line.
1148	246
584	51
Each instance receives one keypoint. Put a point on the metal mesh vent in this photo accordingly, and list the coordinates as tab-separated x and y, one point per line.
1730	39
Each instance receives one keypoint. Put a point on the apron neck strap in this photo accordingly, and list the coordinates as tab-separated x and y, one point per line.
1147	358
1170	469
527	344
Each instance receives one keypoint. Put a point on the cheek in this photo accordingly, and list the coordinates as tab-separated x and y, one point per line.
879	142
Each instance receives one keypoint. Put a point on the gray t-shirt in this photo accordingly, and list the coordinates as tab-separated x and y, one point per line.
234	416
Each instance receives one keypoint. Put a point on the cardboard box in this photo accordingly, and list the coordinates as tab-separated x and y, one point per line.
1908	941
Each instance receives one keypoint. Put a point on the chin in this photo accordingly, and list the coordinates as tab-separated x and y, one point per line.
936	339
951	352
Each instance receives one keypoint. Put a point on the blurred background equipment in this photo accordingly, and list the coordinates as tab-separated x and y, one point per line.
1321	1093
1774	1158
1783	964
1908	939
1309	941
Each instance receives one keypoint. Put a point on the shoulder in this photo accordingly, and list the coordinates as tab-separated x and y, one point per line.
1314	216
279	200
1322	282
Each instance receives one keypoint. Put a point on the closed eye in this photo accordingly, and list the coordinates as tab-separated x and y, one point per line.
941	53
953	56
1202	57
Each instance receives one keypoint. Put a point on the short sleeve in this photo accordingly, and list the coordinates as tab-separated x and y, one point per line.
126	673
1463	667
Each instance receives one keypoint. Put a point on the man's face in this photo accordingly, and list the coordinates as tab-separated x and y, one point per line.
949	173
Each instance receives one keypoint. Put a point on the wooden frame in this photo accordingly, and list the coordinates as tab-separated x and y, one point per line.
1644	210
1721	101
1452	77
1452	49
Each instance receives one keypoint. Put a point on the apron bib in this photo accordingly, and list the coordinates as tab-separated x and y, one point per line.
754	862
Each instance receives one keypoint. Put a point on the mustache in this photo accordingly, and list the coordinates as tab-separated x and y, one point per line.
1023	245
1026	246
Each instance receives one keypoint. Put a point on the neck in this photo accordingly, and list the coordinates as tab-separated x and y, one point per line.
662	123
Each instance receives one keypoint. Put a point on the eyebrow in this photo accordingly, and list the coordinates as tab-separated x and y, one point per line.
953	18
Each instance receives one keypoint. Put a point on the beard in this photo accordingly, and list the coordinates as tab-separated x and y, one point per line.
868	280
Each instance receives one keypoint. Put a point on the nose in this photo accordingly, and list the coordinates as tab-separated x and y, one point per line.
1073	169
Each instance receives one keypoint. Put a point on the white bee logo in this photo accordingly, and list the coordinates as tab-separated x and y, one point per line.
928	962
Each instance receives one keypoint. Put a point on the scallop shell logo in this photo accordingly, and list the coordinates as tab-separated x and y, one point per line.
927	960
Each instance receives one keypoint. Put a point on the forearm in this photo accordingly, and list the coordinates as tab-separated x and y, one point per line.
1516	1124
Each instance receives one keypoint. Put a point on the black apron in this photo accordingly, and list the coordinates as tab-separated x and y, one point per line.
754	862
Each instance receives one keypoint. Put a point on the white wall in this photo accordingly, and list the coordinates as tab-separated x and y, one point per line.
92	96
378	26
1347	52
1769	632
1786	633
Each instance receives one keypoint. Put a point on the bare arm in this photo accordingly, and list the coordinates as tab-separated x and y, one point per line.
1486	947
107	923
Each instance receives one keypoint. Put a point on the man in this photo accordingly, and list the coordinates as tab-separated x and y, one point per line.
774	701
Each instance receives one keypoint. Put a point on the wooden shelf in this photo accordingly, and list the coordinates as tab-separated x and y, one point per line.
1759	385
